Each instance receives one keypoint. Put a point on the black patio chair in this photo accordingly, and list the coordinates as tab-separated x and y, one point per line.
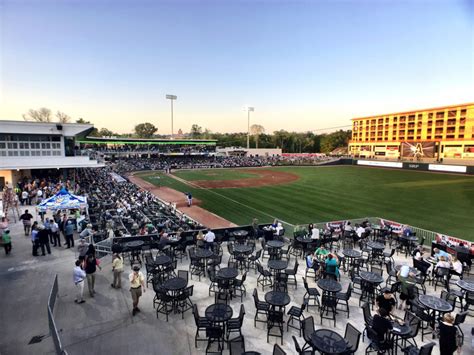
344	297
264	278
312	294
253	259
275	321
277	350
183	300
201	325
296	314
458	320
424	350
352	336
237	345
234	325
292	274
308	329
299	350
414	322
261	307
239	286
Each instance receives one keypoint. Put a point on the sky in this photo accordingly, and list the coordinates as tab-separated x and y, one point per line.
303	65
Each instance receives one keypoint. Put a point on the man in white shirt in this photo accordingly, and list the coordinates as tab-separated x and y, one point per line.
79	275
209	239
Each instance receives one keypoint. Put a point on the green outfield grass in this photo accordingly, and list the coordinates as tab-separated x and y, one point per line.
214	174
437	202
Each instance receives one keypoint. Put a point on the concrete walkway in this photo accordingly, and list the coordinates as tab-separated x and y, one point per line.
104	324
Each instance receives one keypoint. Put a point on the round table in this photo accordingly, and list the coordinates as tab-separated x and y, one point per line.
305	240
203	253
175	284
275	244
277	264
409	238
277	299
218	313
412	269
351	253
227	273
329	285
162	260
328	342
135	244
376	246
466	285
243	249
435	303
370	277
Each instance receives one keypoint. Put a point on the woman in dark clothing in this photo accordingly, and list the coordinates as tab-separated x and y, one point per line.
382	326
447	335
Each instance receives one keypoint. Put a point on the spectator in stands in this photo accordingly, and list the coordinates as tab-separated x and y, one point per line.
332	261
441	253
209	238
407	280
407	231
359	233
418	252
315	233
382	326
457	267
447	335
348	227
443	262
321	253
200	239
386	300
87	233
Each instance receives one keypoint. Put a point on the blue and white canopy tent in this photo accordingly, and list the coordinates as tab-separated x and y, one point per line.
63	200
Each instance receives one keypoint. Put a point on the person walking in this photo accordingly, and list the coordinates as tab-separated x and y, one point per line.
43	237
117	268
78	276
54	232
26	218
91	264
447	335
69	233
3	225
7	241
34	239
82	248
137	284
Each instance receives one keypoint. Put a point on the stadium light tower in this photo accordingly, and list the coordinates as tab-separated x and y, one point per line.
171	98
249	109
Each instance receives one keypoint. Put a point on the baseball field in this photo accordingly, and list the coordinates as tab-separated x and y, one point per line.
298	195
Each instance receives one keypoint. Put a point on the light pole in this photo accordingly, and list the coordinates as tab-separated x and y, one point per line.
249	109
171	98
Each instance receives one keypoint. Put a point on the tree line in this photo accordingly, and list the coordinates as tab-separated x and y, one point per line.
289	142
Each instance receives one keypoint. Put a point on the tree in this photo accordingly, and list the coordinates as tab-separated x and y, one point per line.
82	121
145	130
104	132
256	130
62	117
41	115
196	131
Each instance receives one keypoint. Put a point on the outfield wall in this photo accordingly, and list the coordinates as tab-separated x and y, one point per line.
438	168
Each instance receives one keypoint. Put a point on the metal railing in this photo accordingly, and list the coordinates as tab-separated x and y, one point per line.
53	329
421	233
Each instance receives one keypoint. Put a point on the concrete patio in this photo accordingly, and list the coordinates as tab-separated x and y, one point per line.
105	323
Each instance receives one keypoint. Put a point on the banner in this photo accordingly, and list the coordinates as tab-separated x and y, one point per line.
419	149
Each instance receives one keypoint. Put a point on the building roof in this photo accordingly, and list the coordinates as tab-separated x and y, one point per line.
417	110
119	140
49	128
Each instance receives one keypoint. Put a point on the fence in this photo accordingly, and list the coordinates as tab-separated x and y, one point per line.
52	324
429	236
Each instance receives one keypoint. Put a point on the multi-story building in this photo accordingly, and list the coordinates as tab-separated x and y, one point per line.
38	148
438	133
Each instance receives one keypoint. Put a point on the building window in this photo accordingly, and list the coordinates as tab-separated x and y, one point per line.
440	114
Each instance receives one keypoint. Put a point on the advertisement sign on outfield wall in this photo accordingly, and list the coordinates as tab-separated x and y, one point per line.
419	149
448	168
384	164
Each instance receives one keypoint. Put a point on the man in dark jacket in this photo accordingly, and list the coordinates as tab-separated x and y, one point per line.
43	236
